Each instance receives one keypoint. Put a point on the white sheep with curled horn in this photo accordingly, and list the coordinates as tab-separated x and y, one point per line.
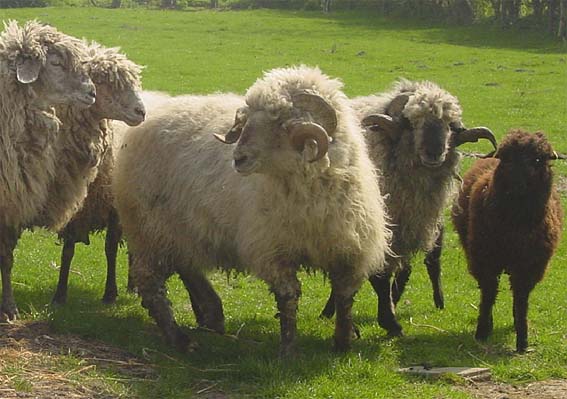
40	67
412	133
305	192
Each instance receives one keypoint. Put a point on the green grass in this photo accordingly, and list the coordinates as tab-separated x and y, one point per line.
503	79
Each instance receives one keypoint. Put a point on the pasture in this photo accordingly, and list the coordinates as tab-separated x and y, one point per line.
503	79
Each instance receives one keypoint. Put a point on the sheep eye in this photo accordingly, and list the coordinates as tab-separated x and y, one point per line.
56	63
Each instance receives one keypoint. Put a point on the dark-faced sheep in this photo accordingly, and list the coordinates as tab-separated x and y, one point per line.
305	192
412	133
508	217
39	68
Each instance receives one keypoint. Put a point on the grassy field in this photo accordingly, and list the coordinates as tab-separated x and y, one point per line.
504	79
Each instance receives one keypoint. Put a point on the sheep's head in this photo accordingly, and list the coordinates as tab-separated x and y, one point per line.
269	140
433	118
49	62
525	159
117	81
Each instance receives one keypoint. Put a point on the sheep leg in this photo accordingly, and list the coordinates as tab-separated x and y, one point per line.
344	288
433	263
205	301
386	313
151	287
521	292
8	308
400	281
329	309
113	236
131	287
488	291
67	253
287	290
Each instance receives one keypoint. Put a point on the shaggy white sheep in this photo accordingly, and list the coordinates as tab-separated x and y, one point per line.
305	192
97	212
39	67
83	151
412	134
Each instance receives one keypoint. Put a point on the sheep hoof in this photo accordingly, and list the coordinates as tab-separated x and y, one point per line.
183	343
342	347
439	303
8	312
287	351
59	300
109	299
395	333
216	326
326	314
522	348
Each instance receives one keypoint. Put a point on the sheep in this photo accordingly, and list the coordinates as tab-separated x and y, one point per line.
305	192
39	67
85	162
98	212
412	133
508	217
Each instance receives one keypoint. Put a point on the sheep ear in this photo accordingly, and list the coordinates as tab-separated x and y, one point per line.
383	124
27	69
397	105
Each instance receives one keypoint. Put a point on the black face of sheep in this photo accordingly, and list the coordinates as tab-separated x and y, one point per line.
433	142
433	139
509	217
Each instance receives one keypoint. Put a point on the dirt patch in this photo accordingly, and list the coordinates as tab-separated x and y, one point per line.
552	389
36	363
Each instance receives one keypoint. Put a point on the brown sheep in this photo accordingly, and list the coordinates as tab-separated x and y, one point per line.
508	217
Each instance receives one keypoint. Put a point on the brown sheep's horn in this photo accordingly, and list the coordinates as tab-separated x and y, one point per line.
300	132
321	111
473	135
231	137
381	123
235	131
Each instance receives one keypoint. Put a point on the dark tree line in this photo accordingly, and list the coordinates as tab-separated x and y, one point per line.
549	14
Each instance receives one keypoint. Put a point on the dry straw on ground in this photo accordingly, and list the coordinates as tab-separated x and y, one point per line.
36	363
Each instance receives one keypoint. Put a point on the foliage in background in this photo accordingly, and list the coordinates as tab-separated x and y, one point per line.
548	14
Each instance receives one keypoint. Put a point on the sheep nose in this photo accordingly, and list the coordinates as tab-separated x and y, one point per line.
140	111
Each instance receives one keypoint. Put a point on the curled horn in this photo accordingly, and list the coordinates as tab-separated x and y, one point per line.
321	111
462	135
300	132
381	123
235	131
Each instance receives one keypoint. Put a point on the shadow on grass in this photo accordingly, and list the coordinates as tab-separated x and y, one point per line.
245	360
481	35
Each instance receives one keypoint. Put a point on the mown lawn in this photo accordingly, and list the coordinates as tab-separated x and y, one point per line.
504	79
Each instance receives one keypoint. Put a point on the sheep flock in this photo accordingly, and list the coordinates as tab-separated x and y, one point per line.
290	175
